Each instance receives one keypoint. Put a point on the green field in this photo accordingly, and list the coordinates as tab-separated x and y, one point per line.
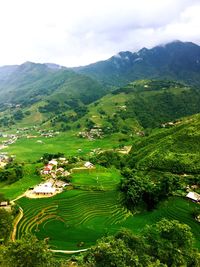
29	150
99	178
84	216
29	179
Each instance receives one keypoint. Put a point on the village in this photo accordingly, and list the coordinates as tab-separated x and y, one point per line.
56	178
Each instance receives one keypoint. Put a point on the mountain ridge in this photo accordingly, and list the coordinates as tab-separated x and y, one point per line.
176	60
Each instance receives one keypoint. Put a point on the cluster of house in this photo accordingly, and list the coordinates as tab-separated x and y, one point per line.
11	105
53	169
26	129
53	186
122	107
92	133
4	204
170	124
88	165
12	138
47	134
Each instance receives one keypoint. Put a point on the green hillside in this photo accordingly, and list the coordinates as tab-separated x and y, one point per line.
31	82
175	149
141	105
33	93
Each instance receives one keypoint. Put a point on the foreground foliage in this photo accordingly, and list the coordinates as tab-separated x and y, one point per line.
167	243
27	252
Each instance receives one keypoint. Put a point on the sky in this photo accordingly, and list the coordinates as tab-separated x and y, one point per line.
79	32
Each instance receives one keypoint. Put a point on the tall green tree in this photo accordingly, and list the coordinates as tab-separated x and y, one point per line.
28	252
5	225
172	243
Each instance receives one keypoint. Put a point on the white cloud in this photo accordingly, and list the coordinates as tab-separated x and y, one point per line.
77	32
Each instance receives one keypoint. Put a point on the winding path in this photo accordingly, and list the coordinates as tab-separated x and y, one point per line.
19	217
69	251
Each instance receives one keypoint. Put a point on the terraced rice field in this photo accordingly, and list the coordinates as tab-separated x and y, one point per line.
72	217
84	216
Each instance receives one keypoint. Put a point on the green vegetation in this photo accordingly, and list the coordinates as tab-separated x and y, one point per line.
80	216
30	178
167	243
156	102
175	149
11	173
140	106
5	225
163	162
27	252
141	188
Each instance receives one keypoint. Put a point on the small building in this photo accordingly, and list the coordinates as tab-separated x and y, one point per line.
88	165
193	196
44	189
47	169
4	204
53	162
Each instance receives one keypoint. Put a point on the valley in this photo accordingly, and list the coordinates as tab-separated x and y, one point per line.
130	148
93	207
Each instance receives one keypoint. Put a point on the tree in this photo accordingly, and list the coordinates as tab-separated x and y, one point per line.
122	250
172	243
28	252
164	244
111	252
5	224
18	115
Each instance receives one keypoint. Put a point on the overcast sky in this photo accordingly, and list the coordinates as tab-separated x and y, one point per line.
79	32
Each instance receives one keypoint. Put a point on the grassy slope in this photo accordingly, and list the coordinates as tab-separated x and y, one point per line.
175	148
99	178
144	104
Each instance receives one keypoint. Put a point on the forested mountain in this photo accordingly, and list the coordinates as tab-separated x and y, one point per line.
30	82
176	61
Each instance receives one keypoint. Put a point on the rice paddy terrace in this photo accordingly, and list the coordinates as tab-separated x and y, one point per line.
72	217
76	219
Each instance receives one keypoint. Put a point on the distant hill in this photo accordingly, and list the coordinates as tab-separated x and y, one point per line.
30	82
143	104
176	61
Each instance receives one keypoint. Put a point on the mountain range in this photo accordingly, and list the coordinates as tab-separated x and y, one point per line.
176	61
53	94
